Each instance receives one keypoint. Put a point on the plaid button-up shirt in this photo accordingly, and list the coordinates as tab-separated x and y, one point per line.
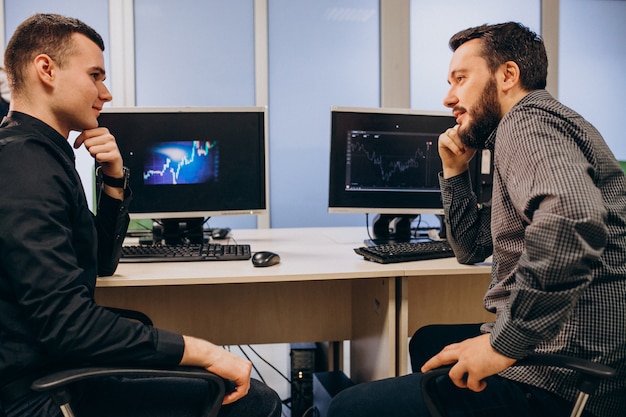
556	227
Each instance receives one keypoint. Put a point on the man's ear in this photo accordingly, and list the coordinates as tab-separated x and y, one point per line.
45	68
510	75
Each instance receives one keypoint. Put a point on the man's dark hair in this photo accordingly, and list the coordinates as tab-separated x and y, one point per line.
48	34
510	41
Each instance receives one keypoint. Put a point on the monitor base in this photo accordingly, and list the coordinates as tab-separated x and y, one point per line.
391	228
178	231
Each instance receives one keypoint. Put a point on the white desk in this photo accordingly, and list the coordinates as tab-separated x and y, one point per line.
321	291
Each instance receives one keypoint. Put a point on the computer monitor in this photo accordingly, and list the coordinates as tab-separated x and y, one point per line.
386	162
191	163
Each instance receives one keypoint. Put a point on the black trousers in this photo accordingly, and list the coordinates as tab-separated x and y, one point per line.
401	396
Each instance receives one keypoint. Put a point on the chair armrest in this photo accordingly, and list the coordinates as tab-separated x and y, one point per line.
429	394
590	375
585	367
57	383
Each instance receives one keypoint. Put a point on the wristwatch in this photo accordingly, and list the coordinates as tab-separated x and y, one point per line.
114	182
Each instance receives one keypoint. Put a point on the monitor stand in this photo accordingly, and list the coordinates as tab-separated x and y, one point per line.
390	228
179	231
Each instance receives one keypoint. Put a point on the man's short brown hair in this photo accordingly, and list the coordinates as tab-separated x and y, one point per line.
510	41
49	34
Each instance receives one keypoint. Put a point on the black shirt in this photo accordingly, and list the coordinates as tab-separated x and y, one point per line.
51	250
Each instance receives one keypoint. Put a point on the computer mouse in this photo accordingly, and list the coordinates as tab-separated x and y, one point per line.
265	258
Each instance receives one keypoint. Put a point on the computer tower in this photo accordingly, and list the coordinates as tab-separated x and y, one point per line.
325	386
302	369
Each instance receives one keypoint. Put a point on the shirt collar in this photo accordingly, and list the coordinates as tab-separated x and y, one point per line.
534	95
25	121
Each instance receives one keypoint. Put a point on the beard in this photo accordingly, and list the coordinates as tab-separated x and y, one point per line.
485	118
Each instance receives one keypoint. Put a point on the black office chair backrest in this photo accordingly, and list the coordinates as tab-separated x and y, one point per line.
58	384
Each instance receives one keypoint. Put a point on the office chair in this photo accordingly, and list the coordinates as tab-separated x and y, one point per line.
58	384
590	374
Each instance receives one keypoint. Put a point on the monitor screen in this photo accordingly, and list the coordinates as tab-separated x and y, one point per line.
385	161
192	162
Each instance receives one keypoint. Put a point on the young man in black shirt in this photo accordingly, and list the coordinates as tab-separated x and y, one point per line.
52	248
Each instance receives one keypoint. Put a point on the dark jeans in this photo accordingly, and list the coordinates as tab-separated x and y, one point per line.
401	397
149	397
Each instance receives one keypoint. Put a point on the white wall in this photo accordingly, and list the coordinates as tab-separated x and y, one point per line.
591	41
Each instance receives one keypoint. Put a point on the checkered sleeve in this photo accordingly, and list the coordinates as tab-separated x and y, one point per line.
552	192
467	222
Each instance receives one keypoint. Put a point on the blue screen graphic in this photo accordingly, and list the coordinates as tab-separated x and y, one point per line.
173	163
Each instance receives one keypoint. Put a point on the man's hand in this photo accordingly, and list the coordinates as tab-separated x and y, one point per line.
214	359
455	156
102	146
475	360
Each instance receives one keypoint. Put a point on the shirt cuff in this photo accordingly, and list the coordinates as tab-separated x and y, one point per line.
457	187
111	204
508	340
171	345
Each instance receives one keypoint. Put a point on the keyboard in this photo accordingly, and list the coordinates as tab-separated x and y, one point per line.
406	251
185	252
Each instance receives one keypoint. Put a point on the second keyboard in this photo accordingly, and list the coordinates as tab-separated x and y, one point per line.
406	251
185	252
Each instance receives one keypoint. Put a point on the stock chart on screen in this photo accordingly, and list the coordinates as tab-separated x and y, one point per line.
173	163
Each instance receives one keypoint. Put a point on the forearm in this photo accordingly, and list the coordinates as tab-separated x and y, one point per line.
199	352
111	223
214	359
468	223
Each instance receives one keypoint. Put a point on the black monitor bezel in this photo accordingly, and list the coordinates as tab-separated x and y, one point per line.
193	201
344	119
